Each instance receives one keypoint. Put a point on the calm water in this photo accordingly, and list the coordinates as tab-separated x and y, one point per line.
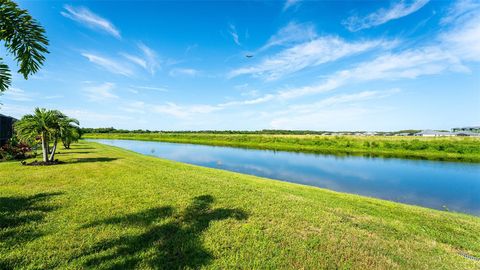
455	186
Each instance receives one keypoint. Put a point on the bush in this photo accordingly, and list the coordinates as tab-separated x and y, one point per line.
13	151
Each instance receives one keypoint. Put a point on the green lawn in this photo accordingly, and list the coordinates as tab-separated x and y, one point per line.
440	148
109	208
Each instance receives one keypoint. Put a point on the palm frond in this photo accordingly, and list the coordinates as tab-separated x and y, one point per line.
5	76
23	36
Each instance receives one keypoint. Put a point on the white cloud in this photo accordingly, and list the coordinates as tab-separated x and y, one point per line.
148	60
53	97
234	34
461	8
86	17
94	119
135	59
338	110
290	3
291	34
109	64
308	54
16	111
183	111
464	36
405	65
398	10
259	100
150	56
17	94
101	92
326	119
135	107
154	88
341	99
183	71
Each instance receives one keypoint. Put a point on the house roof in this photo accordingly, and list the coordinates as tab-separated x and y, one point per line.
434	132
474	127
6	116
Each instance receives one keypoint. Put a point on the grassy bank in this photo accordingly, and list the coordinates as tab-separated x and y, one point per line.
449	149
111	208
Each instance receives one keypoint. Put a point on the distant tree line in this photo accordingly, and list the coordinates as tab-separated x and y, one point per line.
263	131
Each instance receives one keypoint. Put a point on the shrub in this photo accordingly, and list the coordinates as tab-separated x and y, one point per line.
12	151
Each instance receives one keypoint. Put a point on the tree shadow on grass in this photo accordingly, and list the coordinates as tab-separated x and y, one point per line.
77	147
63	151
175	244
19	215
89	160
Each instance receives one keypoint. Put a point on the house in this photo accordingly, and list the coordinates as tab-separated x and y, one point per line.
467	129
467	133
6	128
434	133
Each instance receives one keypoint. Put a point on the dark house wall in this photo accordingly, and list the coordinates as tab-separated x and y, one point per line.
6	128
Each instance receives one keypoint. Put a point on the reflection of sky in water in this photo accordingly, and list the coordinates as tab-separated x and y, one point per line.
427	183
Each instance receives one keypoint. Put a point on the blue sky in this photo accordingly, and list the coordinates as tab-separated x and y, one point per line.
319	65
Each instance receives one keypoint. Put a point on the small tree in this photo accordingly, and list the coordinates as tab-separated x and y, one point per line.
70	135
24	38
45	125
62	128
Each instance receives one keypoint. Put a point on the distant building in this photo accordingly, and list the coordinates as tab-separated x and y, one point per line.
467	129
6	128
370	133
467	133
434	133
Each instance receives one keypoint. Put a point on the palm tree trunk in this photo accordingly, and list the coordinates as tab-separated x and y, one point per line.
52	155
44	148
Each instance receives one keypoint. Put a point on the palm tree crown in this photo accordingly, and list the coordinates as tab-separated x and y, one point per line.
24	38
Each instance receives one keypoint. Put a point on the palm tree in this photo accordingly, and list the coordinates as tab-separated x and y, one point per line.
37	126
62	128
46	125
70	135
24	38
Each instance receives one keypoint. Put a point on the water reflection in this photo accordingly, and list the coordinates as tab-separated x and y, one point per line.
455	186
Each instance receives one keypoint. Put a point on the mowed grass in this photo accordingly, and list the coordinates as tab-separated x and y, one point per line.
110	208
465	149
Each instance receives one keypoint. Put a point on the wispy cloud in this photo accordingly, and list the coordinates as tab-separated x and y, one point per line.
148	60
291	34
153	88
100	92
183	72
461	8
381	16
183	111
135	59
109	64
53	97
342	108
150	56
94	119
87	18
308	54
290	3
233	32
17	94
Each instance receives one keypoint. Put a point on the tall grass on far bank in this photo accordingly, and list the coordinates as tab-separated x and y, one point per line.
445	148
